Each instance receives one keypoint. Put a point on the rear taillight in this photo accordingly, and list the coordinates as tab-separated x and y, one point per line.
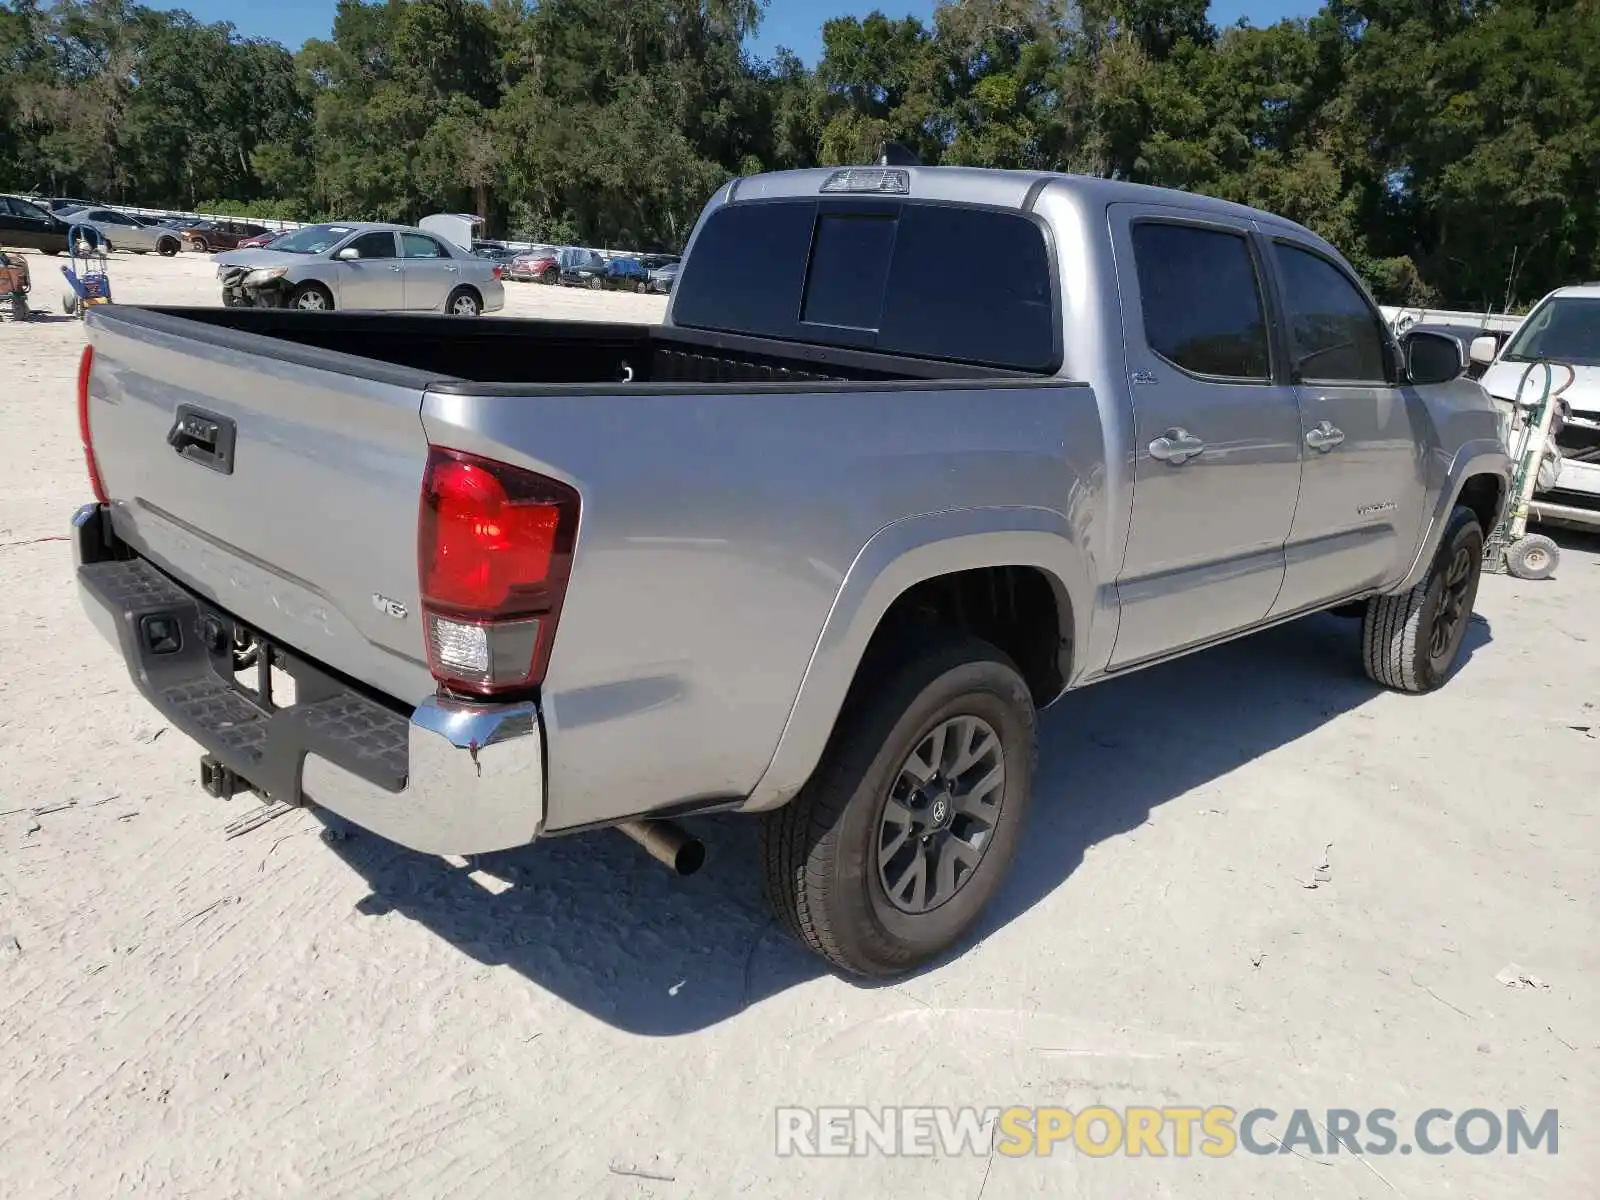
499	271
85	366
494	549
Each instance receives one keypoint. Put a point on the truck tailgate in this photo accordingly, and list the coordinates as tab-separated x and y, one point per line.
306	529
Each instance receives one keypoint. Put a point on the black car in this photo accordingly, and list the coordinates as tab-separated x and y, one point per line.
581	268
23	223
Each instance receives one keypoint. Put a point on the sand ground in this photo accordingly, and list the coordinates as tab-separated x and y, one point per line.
186	1015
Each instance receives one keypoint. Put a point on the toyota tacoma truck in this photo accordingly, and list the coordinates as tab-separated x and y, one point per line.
816	547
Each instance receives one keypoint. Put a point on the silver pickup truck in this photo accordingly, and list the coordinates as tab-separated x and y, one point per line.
817	547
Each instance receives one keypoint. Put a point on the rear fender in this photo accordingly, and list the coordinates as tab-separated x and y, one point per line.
895	559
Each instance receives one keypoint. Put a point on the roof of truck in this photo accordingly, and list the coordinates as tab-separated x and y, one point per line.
1005	189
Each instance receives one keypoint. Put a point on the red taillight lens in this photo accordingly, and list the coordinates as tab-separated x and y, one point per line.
494	549
498	270
85	366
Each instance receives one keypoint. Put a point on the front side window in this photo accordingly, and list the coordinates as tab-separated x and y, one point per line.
1201	300
1334	335
374	245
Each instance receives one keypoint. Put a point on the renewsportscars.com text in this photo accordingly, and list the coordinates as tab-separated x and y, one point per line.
1214	1131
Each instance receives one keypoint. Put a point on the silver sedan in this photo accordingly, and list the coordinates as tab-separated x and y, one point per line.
358	266
122	232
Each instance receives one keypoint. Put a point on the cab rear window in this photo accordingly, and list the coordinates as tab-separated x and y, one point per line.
964	284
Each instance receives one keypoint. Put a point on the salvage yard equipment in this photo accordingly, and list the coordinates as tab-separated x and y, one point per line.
88	275
1534	424
15	284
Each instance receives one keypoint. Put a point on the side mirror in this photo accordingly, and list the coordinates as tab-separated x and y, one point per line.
1433	357
348	254
1483	350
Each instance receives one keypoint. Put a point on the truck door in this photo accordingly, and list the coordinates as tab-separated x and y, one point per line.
1361	486
1217	432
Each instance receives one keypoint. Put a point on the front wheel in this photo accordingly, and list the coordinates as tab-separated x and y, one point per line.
1411	641
167	247
311	297
596	283
463	302
905	830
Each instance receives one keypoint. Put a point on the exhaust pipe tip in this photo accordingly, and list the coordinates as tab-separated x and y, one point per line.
668	843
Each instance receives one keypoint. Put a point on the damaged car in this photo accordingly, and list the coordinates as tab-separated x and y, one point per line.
358	266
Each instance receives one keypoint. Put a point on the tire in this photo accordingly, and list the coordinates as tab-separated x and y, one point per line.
550	278
19	308
201	245
1533	556
69	303
464	302
167	247
311	297
596	283
820	852
1411	641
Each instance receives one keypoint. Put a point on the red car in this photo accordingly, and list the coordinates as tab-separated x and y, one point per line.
538	265
260	240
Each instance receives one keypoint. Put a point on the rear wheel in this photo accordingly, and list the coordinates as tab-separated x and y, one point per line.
311	297
550	277
905	831
1411	641
202	245
463	302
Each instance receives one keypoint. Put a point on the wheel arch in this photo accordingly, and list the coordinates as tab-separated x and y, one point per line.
962	569
1480	477
464	287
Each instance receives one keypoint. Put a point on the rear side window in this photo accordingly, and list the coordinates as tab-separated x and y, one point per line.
877	276
1334	335
420	245
1200	298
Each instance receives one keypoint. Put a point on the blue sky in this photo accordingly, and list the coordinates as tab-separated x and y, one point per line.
793	23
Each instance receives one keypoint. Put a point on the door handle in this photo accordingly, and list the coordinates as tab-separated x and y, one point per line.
1177	446
1324	437
396	270
453	270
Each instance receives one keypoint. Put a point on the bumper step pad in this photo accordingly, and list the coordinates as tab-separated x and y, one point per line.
191	685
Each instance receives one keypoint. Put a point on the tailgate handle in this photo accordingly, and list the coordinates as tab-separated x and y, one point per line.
203	438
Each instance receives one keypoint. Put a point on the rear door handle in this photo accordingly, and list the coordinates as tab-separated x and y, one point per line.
1177	446
1324	437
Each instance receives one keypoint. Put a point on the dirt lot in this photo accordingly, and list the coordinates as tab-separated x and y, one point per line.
283	1015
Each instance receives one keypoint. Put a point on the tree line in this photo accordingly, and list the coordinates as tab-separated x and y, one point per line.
1450	148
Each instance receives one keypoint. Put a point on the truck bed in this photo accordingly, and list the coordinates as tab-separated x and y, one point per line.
491	350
